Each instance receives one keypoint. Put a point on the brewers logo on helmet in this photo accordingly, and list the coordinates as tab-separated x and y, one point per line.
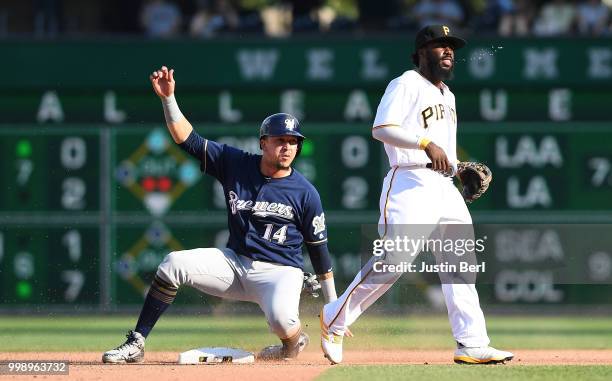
282	124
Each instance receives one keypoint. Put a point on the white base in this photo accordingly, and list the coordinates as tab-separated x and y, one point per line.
215	355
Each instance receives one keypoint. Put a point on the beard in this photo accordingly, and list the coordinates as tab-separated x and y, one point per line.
281	166
433	65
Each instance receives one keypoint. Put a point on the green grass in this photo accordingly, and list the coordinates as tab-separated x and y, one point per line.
530	332
468	373
176	333
173	332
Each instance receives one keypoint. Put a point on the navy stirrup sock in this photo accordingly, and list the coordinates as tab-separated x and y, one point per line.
160	296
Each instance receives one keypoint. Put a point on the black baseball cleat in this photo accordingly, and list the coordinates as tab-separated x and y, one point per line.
131	351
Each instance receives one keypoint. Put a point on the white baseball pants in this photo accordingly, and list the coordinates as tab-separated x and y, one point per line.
413	197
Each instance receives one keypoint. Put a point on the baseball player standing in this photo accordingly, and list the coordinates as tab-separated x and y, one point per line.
271	210
417	122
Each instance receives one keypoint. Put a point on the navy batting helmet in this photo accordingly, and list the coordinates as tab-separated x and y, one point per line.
282	124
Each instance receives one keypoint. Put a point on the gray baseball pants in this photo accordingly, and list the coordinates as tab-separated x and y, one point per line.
221	272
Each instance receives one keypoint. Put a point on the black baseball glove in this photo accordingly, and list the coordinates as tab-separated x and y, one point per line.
475	179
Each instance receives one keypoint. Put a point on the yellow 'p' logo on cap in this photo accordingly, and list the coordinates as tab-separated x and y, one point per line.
446	30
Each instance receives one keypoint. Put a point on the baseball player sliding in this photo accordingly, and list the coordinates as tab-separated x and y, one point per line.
417	122
271	210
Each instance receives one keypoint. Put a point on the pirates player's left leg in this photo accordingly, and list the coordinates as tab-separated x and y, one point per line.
277	288
408	210
464	312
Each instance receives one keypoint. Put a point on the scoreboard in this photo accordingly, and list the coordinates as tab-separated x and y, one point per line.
49	170
557	168
353	105
87	213
50	216
94	193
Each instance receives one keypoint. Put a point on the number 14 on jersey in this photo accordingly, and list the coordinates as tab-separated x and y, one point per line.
279	236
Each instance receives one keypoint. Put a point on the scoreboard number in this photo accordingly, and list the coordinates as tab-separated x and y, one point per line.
355	154
73	153
354	193
355	151
601	170
23	265
72	241
24	170
75	280
73	193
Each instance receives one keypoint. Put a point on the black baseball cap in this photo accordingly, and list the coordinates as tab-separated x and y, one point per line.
437	33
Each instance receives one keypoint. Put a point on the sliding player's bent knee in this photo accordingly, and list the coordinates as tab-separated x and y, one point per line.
173	269
284	325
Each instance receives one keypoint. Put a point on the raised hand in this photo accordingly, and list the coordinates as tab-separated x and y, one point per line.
163	82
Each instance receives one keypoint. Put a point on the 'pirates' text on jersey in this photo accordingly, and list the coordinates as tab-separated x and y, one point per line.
414	103
269	218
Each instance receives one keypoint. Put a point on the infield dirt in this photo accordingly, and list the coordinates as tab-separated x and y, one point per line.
162	365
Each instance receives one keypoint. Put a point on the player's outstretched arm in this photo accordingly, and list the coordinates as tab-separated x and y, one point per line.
164	85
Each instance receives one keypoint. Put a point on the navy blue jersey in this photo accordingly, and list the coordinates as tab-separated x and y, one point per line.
269	218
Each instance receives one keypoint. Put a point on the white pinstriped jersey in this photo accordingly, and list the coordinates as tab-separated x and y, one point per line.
415	104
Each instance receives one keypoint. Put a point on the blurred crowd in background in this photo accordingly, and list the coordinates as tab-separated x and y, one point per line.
281	18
